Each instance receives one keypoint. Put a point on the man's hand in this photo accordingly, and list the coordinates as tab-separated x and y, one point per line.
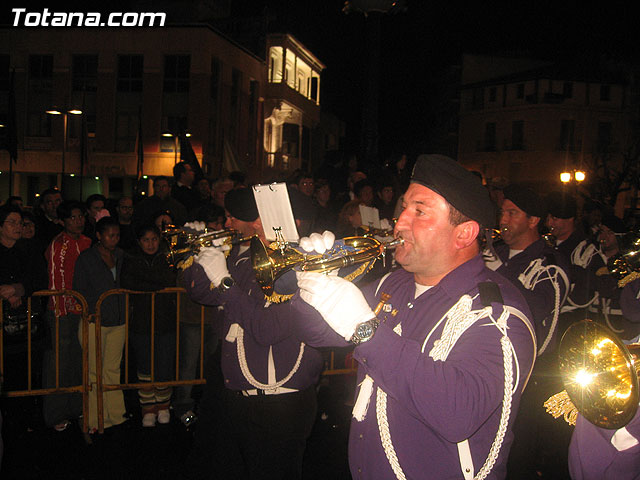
340	302
214	264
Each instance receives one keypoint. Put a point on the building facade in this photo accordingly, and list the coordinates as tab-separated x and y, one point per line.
529	121
138	91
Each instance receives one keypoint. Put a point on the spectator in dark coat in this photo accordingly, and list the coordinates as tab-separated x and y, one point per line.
147	269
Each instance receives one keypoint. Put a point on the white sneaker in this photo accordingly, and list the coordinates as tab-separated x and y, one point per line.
149	420
164	416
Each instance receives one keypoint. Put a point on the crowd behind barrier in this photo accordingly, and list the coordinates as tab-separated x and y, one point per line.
337	361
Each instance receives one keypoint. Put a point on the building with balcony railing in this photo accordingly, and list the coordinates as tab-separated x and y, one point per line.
529	121
138	89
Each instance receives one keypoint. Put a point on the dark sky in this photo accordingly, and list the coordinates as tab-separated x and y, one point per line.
418	44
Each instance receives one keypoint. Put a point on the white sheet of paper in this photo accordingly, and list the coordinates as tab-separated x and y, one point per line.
275	211
370	216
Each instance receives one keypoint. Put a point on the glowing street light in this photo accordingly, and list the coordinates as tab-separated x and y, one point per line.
65	131
579	176
565	177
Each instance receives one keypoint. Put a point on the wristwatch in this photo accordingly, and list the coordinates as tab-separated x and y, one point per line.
226	283
364	331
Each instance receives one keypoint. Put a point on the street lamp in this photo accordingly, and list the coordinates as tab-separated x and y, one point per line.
577	175
65	114
176	137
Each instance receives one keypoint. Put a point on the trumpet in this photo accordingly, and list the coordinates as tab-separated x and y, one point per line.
627	262
182	243
269	263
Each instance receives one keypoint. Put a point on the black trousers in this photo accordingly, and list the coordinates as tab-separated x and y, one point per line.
257	437
541	443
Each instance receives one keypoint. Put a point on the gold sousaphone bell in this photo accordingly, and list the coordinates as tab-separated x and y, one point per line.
600	377
270	262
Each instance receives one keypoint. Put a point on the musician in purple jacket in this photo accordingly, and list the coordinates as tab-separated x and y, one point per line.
268	405
601	454
444	345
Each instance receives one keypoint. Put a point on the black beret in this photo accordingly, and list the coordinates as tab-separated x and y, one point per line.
525	199
614	223
562	205
460	187
241	204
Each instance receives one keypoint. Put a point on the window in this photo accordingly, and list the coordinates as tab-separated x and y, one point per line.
567	89
130	73
477	100
176	73
567	133
604	137
215	79
517	135
127	126
313	94
520	90
605	93
490	137
40	95
290	137
492	94
85	73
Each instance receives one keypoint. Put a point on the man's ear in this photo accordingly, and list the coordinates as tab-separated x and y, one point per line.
466	234
533	222
257	227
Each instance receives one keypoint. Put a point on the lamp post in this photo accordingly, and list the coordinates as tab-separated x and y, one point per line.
176	137
65	128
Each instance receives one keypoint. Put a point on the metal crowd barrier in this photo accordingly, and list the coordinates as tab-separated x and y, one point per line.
55	336
345	366
102	387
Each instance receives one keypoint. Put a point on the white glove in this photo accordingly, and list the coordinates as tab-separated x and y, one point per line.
214	264
385	224
317	242
340	302
197	226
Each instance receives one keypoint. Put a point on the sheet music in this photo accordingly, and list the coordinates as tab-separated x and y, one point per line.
370	216
275	210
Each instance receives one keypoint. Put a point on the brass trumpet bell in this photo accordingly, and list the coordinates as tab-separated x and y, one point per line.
183	243
269	263
599	374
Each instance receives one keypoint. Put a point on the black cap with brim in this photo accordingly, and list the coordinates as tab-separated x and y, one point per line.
241	204
562	205
459	187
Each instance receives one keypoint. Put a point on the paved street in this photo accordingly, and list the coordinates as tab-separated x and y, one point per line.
132	452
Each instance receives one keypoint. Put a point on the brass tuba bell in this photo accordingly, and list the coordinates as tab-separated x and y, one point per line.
269	263
599	374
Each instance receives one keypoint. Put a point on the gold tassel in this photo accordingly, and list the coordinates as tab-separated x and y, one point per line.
278	298
629	278
186	263
561	404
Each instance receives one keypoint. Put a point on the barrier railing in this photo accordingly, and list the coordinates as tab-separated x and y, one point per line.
83	389
102	387
344	366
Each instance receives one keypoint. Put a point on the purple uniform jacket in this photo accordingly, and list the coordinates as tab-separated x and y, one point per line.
542	297
265	327
433	404
594	455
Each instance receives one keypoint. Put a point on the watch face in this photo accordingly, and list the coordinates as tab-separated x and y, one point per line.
365	330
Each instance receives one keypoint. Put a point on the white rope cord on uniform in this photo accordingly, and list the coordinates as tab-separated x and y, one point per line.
242	360
536	273
606	310
459	318
383	427
583	253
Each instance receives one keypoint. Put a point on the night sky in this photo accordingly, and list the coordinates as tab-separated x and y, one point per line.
418	45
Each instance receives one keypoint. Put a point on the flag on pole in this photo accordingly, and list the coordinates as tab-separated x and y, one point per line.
11	140
188	155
